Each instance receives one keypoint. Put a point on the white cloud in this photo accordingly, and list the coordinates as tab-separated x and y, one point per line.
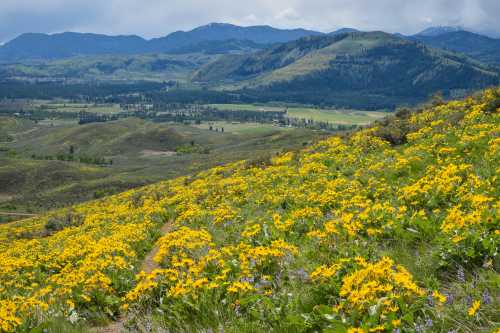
288	14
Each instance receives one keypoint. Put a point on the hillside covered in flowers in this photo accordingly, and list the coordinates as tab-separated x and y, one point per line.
394	228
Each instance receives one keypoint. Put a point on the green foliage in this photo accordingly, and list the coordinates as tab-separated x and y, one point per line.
57	223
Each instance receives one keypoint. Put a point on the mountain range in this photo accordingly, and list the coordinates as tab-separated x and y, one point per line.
36	46
266	63
208	38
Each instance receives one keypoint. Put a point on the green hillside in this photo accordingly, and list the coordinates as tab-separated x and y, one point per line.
148	67
393	228
370	66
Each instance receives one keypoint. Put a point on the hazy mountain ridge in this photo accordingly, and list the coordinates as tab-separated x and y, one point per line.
480	47
438	30
224	31
345	67
207	39
70	44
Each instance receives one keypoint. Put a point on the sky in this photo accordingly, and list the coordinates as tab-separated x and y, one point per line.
155	18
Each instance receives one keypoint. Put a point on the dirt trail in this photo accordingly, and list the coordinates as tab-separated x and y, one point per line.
15	135
148	265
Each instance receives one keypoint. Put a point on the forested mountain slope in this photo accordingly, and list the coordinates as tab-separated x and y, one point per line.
391	229
379	66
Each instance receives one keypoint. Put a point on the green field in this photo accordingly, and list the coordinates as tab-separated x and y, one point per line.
77	107
242	128
345	117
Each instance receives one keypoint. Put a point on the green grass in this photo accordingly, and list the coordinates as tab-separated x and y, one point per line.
246	107
346	117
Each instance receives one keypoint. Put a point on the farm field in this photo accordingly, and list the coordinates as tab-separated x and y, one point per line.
78	107
241	128
344	117
392	228
68	106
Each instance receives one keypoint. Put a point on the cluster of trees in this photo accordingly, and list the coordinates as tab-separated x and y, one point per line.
312	124
4	137
192	148
72	157
90	117
92	92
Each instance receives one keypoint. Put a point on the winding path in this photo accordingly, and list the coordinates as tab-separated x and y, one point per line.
148	265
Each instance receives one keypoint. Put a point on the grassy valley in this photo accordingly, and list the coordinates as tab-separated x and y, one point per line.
49	160
54	163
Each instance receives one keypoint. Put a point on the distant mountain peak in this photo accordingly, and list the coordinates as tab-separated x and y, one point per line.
215	25
343	31
439	30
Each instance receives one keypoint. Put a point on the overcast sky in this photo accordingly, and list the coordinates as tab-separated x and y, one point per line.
153	18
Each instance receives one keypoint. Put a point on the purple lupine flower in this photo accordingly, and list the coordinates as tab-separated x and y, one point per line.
486	297
396	330
461	274
248	279
263	284
237	310
429	322
301	274
449	298
468	301
419	328
430	300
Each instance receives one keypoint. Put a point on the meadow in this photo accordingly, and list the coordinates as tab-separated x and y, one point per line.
354	233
